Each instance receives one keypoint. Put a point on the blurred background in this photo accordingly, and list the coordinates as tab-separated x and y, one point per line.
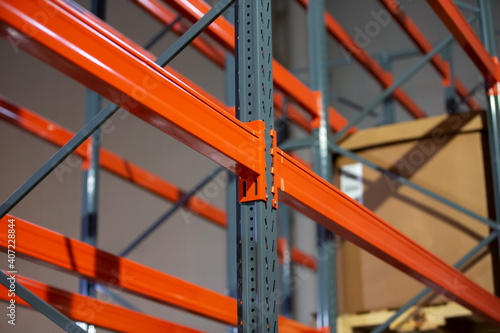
187	246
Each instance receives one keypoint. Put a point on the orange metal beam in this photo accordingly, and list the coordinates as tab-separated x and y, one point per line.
425	47
118	37
302	258
130	79
102	267
68	42
465	36
95	312
89	262
365	60
319	200
165	16
57	135
284	81
223	31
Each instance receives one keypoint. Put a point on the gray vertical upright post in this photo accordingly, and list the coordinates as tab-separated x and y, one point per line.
449	89
327	295
257	259
284	234
90	181
493	119
231	189
388	113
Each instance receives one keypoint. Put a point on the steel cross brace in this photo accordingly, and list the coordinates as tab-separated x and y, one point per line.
405	181
223	32
74	256
443	66
485	242
445	42
108	316
365	60
40	305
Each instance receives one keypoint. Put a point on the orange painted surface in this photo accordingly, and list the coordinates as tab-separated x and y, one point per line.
87	261
425	47
466	38
95	312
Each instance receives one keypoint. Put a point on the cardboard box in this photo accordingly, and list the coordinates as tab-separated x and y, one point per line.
445	154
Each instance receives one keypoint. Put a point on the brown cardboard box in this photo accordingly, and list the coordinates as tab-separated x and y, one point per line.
444	154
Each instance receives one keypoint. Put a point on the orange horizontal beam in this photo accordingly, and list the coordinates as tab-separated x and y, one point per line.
223	31
95	312
365	60
57	135
466	37
425	47
89	262
165	16
129	45
304	259
130	79
319	200
105	268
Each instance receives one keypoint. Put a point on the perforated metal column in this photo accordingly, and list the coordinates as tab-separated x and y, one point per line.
257	259
231	187
327	283
90	180
493	122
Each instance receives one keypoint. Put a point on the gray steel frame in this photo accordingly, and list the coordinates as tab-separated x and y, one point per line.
327	276
90	181
255	243
493	119
256	238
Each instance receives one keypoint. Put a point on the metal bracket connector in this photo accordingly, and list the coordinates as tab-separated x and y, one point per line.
494	86
315	123
446	82
254	188
274	189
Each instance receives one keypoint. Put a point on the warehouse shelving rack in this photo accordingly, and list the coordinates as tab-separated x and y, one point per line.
243	141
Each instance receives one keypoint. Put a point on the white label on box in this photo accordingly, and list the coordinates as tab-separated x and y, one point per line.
351	181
